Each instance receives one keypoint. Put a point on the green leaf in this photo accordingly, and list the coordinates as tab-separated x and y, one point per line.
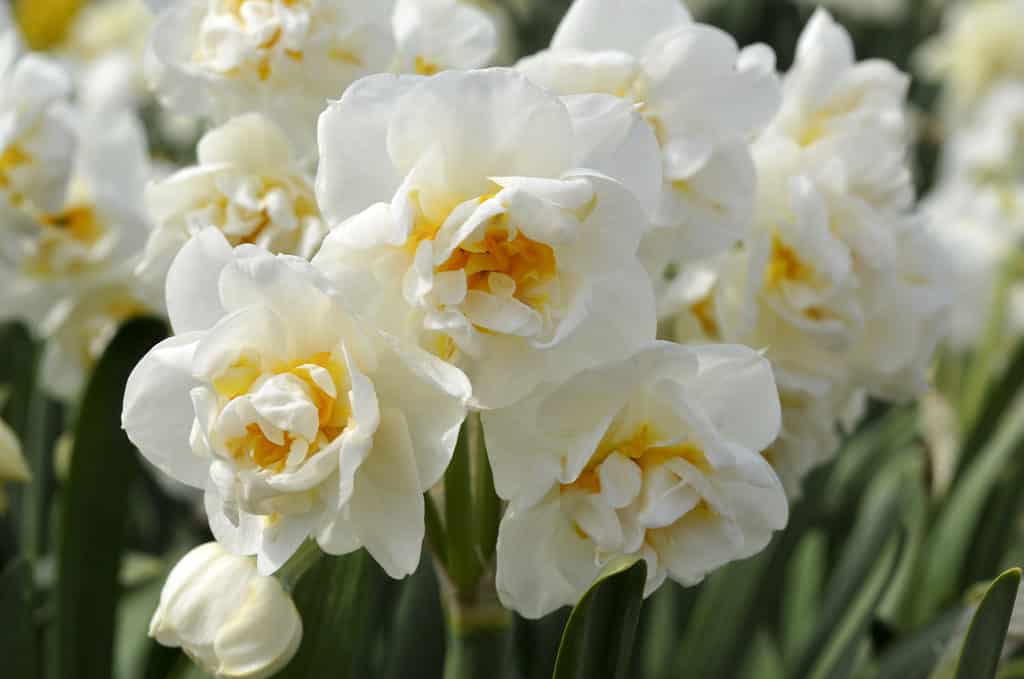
876	527
35	418
95	507
946	550
536	644
979	658
801	601
915	656
997	401
764	661
597	642
838	657
18	641
135	653
336	598
716	624
416	645
660	625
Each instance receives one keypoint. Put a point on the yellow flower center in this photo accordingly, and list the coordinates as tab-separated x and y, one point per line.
334	412
638	448
785	265
10	159
425	67
79	222
528	263
704	311
75	225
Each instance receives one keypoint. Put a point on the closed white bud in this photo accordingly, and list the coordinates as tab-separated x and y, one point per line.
227	617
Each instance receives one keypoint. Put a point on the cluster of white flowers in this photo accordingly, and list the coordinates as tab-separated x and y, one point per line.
285	58
838	280
501	240
977	208
71	183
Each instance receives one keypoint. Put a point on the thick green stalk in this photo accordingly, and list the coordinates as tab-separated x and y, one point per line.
304	558
479	639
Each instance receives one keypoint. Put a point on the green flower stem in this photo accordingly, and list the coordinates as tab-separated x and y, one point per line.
304	558
479	632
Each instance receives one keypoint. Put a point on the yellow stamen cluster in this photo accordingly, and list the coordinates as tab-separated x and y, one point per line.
334	412
11	158
425	67
638	448
527	262
76	224
785	265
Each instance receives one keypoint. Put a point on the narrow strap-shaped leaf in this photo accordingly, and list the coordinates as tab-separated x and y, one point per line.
660	625
95	508
417	640
876	525
979	658
536	644
334	598
947	548
801	601
838	656
717	624
18	641
997	401
597	642
916	655
764	660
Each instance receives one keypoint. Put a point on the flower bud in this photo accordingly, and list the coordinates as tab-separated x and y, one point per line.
228	618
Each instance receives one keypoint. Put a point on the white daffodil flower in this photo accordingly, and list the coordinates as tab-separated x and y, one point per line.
435	35
978	238
248	183
461	217
848	116
981	45
838	282
232	621
295	419
283	58
105	49
986	155
655	457
68	272
37	140
13	467
701	95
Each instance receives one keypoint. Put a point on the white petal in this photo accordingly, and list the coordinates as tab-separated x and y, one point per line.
193	295
617	24
543	564
620	480
386	509
158	411
355	170
472	125
251	141
613	139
